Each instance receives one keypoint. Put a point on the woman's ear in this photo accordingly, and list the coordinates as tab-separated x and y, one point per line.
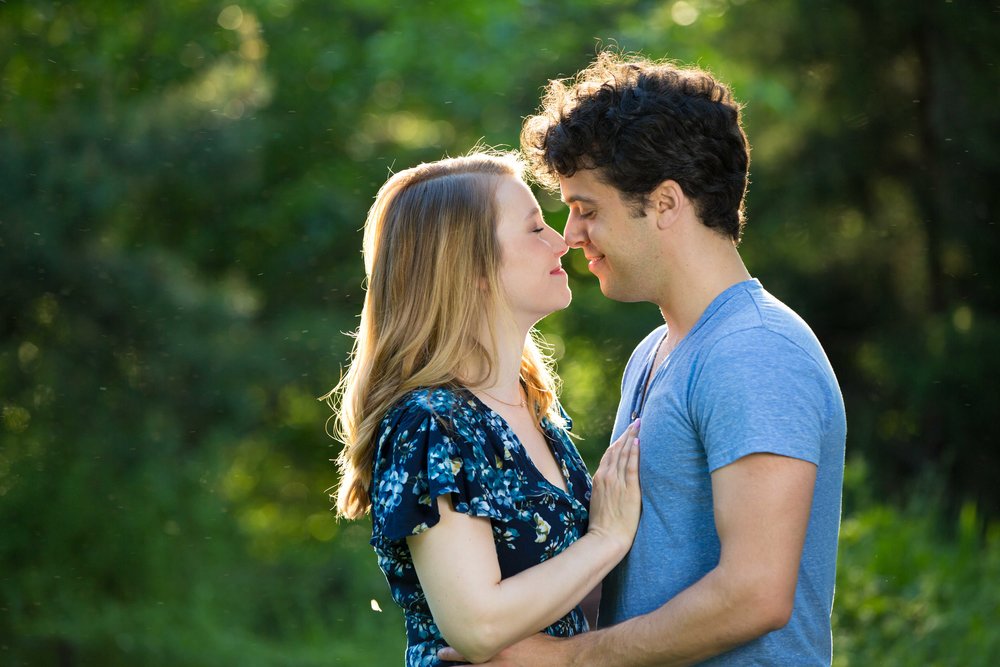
667	201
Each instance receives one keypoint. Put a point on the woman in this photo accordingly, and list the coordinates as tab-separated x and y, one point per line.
454	438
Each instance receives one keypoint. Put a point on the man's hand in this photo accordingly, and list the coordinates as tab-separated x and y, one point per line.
539	650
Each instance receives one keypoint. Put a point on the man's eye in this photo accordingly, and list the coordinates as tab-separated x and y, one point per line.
588	214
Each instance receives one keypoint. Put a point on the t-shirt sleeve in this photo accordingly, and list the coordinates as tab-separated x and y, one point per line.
420	457
759	392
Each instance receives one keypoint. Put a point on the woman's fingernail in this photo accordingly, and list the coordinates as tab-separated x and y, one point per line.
636	440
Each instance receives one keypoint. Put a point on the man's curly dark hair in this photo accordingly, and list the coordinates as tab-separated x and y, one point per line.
639	123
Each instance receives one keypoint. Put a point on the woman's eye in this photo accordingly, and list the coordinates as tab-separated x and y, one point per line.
538	230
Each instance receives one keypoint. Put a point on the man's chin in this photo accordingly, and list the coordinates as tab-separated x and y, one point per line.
608	290
616	293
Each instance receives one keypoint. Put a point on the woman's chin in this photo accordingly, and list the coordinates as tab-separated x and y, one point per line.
563	305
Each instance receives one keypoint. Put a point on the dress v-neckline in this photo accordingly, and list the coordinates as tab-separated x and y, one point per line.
550	442
654	371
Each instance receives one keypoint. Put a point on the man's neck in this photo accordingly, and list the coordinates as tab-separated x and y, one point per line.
695	281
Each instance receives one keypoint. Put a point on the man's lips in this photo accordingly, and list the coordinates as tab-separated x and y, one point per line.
593	259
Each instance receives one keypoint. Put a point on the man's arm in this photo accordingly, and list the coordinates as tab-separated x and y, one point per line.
762	505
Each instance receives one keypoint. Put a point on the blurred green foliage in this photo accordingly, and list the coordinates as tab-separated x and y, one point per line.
910	594
182	187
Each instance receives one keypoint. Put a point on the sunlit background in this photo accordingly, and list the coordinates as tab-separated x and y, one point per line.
182	186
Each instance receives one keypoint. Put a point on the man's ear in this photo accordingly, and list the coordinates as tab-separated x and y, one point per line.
667	201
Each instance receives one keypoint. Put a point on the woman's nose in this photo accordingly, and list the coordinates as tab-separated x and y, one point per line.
559	245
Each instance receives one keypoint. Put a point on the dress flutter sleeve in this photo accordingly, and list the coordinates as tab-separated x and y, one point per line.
421	456
567	421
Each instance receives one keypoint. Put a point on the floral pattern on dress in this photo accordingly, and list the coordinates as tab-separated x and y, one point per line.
446	441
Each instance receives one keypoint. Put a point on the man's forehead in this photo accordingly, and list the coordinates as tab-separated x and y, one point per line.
583	186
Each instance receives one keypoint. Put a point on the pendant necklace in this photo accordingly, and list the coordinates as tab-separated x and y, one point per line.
513	405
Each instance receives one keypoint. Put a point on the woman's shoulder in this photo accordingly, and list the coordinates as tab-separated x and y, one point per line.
448	406
558	419
436	399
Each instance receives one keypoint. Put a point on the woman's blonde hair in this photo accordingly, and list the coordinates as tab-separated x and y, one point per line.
432	261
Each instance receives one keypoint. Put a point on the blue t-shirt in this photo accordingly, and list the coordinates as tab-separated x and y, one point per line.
441	441
749	377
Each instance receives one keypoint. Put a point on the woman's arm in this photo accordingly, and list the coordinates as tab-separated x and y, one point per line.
478	612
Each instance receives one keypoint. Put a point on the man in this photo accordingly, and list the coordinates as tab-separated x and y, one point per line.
743	425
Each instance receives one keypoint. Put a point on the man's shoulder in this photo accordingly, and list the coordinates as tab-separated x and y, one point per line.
751	352
777	316
756	322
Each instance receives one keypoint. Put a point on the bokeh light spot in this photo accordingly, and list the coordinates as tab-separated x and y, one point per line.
684	13
231	18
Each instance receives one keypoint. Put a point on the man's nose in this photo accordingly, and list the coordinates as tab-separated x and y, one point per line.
574	232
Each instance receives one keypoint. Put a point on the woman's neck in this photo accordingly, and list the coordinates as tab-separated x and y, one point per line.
503	383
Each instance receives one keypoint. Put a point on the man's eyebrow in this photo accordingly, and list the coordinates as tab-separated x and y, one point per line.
575	198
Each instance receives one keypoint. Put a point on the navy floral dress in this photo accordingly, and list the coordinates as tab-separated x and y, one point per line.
446	441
